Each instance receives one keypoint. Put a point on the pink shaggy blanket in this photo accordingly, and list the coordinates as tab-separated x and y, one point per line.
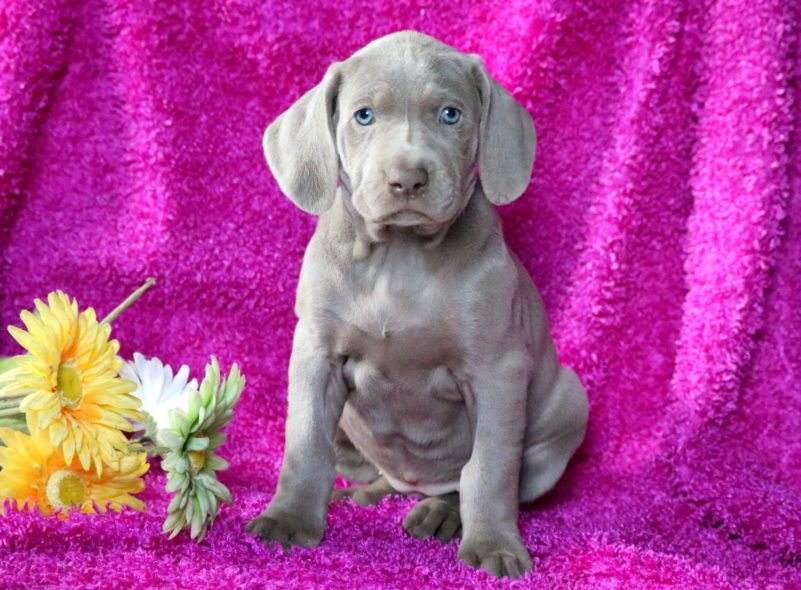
662	225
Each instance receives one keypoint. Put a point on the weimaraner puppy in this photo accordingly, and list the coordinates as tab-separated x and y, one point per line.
422	361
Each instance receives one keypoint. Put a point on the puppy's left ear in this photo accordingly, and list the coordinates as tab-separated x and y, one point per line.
507	140
300	150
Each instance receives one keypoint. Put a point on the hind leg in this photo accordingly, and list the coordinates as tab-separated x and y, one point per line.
367	495
353	466
558	429
350	463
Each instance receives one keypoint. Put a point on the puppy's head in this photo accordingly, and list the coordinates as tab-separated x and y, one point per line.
403	124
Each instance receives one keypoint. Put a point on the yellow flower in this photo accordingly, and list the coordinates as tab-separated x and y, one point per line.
71	383
33	474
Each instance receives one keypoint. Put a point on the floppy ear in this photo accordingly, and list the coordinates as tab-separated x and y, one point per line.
300	150
507	140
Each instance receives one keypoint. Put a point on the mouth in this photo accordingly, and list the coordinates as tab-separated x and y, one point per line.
405	218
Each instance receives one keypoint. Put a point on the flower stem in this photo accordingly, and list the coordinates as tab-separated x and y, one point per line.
115	313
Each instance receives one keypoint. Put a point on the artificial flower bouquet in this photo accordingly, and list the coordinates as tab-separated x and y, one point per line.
184	425
77	422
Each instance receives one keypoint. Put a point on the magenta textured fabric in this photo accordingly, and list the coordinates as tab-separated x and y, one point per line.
662	226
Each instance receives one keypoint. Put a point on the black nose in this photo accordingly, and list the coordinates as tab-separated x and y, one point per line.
407	181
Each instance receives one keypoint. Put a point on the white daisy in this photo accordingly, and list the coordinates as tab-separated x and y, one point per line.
157	388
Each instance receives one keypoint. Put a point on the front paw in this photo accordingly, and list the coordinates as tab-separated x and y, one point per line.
502	555
287	529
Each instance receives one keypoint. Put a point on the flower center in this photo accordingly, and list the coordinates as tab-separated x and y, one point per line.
68	386
197	459
66	489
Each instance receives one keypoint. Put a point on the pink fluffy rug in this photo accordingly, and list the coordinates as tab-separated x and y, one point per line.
662	225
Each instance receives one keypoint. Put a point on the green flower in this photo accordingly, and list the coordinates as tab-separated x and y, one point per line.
189	458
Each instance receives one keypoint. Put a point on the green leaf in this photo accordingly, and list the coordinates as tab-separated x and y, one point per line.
203	496
175	417
224	494
151	429
175	504
215	486
170	439
173	519
175	482
197	443
216	463
216	439
197	516
175	463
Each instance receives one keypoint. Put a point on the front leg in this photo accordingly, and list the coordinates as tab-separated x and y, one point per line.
297	512
489	480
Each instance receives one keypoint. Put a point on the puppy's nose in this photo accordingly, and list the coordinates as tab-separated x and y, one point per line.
407	181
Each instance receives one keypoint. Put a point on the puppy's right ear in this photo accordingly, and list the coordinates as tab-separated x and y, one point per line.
300	149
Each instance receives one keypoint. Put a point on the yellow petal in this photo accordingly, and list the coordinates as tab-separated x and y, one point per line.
39	330
33	346
68	448
58	432
83	456
77	432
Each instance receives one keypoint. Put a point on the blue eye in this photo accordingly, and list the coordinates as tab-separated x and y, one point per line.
450	115
364	116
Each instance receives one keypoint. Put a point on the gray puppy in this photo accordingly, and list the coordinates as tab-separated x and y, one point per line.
422	361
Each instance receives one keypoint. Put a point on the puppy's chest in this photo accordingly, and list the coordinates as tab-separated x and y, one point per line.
395	316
